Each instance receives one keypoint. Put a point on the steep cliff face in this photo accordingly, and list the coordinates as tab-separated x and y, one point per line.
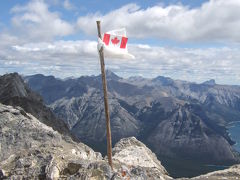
32	150
13	91
186	134
87	112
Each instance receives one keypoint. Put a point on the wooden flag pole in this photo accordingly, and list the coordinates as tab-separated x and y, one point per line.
104	83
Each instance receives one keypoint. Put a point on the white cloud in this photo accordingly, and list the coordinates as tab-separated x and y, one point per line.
216	20
34	21
33	47
73	48
75	58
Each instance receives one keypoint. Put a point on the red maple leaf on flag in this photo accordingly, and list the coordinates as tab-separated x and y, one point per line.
115	41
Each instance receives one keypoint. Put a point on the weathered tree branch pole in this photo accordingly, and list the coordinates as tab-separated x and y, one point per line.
104	83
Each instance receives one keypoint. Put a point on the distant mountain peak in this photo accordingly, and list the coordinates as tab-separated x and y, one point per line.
166	81
210	82
12	85
112	75
14	92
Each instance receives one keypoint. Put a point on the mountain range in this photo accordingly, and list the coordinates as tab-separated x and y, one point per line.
32	150
182	122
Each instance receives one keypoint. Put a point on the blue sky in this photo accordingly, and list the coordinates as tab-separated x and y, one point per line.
190	40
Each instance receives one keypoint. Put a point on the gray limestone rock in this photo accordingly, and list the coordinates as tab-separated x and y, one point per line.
33	150
143	162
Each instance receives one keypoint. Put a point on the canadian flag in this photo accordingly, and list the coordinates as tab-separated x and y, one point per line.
115	41
115	44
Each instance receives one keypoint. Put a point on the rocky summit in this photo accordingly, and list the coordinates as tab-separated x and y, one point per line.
33	150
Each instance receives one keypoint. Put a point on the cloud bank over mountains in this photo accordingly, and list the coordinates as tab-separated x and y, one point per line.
216	20
39	40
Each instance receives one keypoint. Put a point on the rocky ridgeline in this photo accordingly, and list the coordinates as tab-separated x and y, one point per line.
14	92
32	150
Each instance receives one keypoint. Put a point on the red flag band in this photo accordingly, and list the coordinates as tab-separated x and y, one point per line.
115	41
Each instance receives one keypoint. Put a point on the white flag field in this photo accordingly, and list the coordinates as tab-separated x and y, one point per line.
114	44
